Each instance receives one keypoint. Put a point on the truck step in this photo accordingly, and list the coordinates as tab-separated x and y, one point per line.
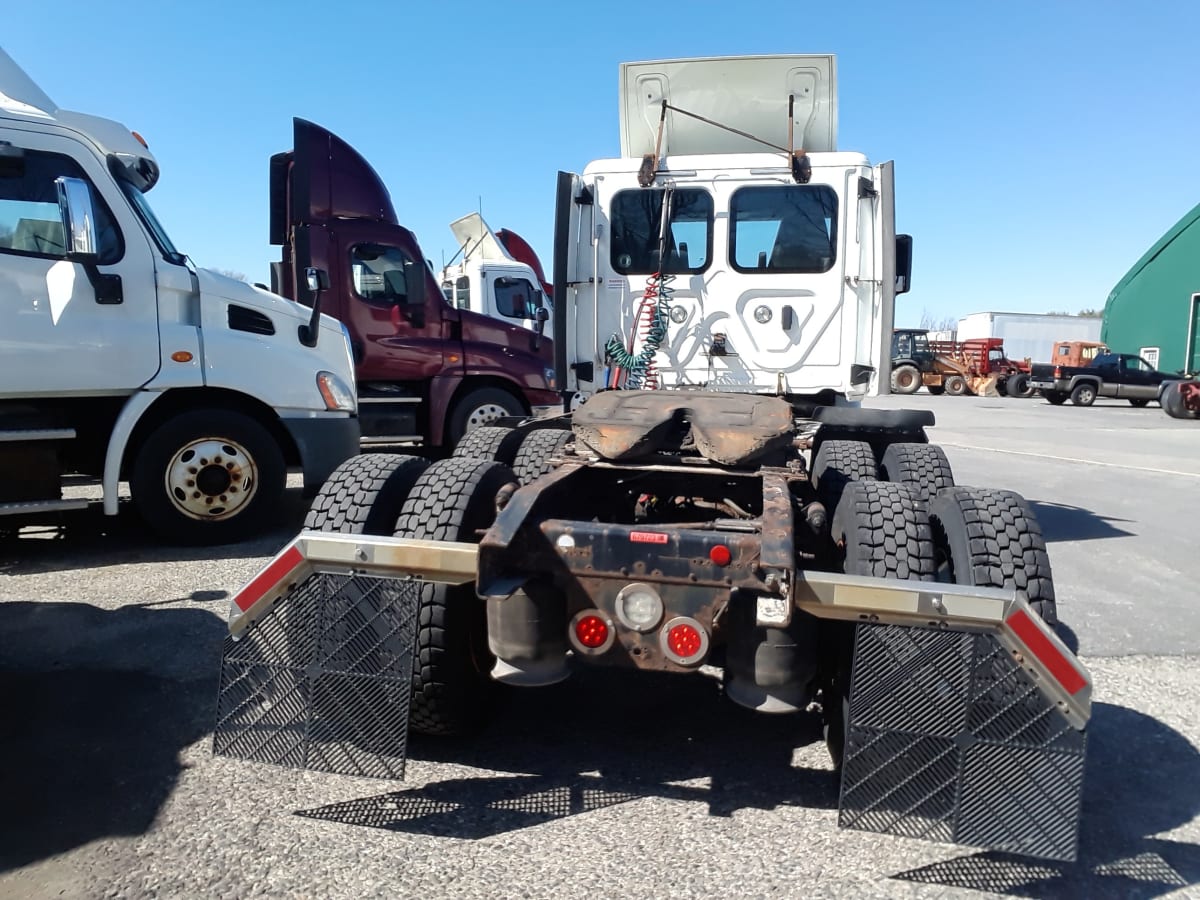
33	507
369	440
379	399
36	434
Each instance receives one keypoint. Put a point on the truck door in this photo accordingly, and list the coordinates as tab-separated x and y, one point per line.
394	339
515	299
55	337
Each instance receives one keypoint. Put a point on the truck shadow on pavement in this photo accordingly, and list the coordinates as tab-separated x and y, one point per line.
601	739
1142	779
87	539
1061	522
95	707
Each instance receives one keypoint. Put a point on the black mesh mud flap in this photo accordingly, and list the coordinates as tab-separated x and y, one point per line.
950	739
322	680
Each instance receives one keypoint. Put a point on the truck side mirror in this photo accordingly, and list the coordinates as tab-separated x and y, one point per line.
78	218
540	318
318	279
80	242
903	263
414	281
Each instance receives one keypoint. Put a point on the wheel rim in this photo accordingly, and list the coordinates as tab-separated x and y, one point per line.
905	379
1086	396
211	478
485	415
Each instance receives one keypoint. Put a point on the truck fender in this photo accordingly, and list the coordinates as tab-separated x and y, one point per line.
441	391
122	430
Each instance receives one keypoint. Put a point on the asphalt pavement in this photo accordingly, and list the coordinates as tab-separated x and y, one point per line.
613	786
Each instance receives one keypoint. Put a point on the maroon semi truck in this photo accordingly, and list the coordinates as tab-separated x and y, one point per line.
427	371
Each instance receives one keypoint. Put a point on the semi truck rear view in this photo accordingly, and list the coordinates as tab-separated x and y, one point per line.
724	504
122	361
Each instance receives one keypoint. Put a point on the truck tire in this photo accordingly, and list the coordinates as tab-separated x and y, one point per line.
1084	394
923	467
208	476
1172	404
1139	404
955	385
1056	398
837	464
991	538
365	494
539	445
936	389
905	379
886	532
1018	385
480	407
454	500
491	442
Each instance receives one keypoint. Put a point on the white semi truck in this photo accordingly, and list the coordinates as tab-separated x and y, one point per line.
122	361
716	499
497	274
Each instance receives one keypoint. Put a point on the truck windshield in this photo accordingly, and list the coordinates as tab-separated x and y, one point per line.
637	223
783	228
142	206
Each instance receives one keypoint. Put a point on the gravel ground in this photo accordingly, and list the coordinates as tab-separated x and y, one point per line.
606	785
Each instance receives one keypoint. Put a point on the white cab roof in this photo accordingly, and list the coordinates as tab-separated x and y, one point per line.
745	92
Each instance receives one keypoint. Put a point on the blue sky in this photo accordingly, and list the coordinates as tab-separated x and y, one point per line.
1040	147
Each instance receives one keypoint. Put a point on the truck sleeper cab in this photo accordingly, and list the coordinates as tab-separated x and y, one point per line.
119	360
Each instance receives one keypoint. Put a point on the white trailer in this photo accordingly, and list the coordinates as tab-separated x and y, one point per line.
1028	335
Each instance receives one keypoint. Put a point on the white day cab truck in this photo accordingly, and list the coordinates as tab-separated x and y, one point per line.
716	498
498	274
121	361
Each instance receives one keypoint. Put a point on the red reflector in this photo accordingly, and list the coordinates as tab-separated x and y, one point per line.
268	578
647	537
592	631
1049	655
684	640
720	555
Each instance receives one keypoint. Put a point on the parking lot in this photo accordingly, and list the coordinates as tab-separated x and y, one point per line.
605	785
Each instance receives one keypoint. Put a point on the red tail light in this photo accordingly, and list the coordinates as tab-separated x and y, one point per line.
1058	371
592	633
684	641
720	555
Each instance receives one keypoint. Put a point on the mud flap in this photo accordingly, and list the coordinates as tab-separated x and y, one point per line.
322	679
949	739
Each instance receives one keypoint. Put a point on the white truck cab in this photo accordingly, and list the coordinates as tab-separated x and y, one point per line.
121	361
496	274
732	246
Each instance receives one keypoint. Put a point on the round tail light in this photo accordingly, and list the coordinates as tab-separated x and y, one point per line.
591	632
684	641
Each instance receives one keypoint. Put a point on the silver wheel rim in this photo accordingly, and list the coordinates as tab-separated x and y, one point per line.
211	479
485	415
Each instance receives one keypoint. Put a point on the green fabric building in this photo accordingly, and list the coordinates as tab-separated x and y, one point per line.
1155	309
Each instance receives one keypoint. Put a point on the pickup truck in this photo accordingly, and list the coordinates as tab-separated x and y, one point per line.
1121	375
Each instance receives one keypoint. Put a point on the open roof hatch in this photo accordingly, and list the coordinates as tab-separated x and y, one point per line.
749	93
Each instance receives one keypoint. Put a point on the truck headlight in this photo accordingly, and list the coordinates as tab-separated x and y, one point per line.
335	393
